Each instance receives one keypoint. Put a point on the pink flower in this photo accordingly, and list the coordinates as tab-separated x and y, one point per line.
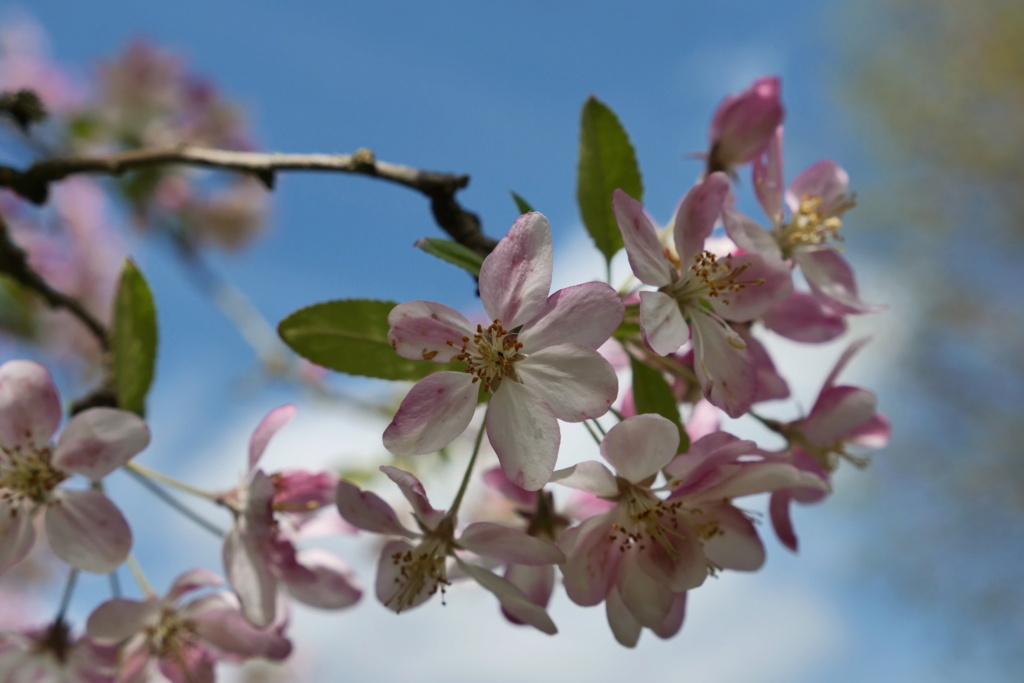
842	416
409	574
536	359
164	640
259	548
698	292
84	528
743	124
816	201
53	655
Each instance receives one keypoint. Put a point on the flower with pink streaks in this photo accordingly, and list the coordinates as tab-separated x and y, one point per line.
84	528
165	640
842	416
744	123
409	574
816	201
699	292
537	359
259	548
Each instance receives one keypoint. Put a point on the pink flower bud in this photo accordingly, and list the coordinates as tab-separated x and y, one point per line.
744	123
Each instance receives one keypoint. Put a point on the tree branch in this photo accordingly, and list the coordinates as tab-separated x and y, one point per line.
464	227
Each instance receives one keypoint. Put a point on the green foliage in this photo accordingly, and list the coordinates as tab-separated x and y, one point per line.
133	339
607	162
521	204
454	253
652	394
351	336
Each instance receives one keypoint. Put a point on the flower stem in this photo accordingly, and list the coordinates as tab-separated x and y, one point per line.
150	474
65	599
469	468
140	578
593	434
174	502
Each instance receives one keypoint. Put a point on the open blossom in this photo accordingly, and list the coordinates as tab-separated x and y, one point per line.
409	574
842	416
815	201
699	292
537	359
259	548
164	639
53	655
84	528
743	124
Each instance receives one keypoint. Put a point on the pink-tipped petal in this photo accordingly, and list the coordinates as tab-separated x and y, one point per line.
873	433
804	318
778	509
825	179
735	543
831	279
575	382
434	412
645	252
524	433
768	178
661	323
591	561
646	599
488	539
392	578
29	405
497	480
749	235
640	446
218	621
516	277
775	283
624	625
726	373
192	580
513	600
98	441
676	560
368	511
265	430
837	412
421	330
536	582
87	531
585	314
674	620
327	582
412	489
697	215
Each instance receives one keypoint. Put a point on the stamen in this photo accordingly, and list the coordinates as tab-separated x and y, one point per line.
490	355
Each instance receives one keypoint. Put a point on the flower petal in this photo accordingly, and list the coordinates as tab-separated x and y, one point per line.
638	447
326	582
734	544
412	489
516	277
524	433
749	235
676	560
837	412
767	177
367	511
726	373
624	625
98	441
590	476
513	600
591	560
825	179
86	530
17	534
392	577
831	279
29	405
488	539
265	430
422	330
585	314
119	619
697	215
577	383
247	565
661	323
778	508
804	318
434	412
647	600
643	248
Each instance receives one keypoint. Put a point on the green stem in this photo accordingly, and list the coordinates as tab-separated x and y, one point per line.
139	576
65	599
151	474
177	504
469	468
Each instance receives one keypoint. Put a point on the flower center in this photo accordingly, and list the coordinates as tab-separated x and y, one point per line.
421	572
811	225
171	635
710	277
490	355
26	475
646	518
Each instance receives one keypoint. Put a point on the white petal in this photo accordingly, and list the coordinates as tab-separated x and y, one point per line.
29	405
422	330
98	441
577	383
661	322
513	600
586	314
516	277
590	476
524	433
645	252
434	412
639	446
87	531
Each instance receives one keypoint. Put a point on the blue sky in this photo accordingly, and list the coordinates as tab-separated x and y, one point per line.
495	90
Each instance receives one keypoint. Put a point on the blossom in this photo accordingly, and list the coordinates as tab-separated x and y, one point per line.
259	548
537	359
842	416
408	575
698	291
165	640
743	123
53	655
816	201
84	528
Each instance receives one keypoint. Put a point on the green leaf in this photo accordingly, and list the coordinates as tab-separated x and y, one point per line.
607	162
133	339
652	394
454	253
521	204
351	336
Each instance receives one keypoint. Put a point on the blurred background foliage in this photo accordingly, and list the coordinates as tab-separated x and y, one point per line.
939	85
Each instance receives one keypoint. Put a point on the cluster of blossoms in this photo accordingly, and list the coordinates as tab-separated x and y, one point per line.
636	532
